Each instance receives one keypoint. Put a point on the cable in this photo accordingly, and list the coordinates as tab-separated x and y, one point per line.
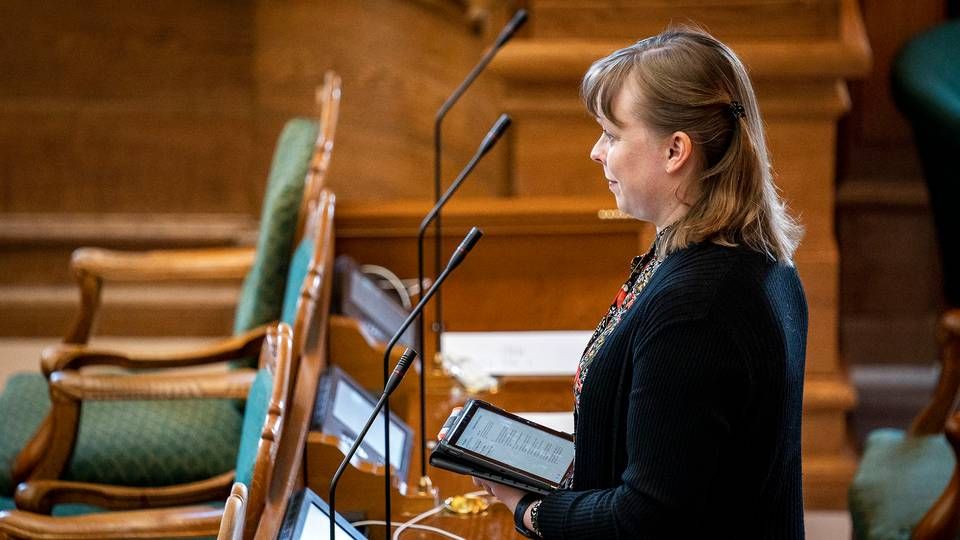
412	523
395	282
414	520
427	528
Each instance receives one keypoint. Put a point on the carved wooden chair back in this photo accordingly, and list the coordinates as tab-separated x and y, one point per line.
328	105
310	359
234	512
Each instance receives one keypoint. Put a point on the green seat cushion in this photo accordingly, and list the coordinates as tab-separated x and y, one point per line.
899	478
261	297
299	266
135	443
155	443
926	79
24	404
258	400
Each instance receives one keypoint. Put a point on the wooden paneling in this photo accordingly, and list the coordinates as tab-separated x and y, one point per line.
109	107
885	226
632	20
399	60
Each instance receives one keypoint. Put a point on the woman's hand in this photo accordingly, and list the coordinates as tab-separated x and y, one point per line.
508	495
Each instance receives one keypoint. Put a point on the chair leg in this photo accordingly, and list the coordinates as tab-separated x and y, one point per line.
64	426
31	453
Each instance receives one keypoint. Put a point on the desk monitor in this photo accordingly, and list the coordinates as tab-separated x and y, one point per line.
308	517
341	410
357	296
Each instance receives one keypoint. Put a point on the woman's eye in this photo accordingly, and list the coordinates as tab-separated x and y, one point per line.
609	136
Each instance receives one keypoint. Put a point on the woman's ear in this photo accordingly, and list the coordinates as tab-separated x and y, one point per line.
679	152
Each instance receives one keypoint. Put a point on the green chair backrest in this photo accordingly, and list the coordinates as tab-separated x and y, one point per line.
258	400
299	266
260	298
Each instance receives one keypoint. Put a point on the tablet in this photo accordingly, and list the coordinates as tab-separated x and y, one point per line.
491	443
308	517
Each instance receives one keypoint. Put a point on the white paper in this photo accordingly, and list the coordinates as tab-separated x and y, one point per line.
519	353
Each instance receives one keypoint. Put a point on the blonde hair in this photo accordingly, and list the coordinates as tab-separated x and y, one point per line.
689	81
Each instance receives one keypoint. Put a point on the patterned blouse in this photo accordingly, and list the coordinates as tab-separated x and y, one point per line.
641	270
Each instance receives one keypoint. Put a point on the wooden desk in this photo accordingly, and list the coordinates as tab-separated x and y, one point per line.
496	522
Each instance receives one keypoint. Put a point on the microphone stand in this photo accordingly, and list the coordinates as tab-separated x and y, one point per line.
405	360
496	131
458	256
518	20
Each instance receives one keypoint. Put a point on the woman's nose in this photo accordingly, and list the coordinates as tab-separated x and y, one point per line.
598	152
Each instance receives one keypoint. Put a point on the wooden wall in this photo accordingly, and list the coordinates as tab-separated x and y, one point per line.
139	126
890	275
111	107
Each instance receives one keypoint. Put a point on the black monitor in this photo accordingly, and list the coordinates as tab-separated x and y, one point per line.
358	297
308	517
341	410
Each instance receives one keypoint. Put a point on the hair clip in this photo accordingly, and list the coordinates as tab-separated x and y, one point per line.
737	110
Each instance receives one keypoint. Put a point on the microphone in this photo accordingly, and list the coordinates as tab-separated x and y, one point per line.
518	20
398	372
489	140
393	381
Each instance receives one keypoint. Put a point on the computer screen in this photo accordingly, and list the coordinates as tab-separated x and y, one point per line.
351	408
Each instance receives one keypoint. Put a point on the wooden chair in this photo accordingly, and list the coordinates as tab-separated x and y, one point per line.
234	512
295	184
907	483
147	512
265	502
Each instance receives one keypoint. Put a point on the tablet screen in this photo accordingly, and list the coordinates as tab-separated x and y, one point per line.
517	444
317	525
351	408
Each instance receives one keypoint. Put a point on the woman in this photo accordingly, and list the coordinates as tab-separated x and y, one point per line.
688	396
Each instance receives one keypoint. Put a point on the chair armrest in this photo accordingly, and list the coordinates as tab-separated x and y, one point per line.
91	266
178	522
233	384
932	418
42	495
943	519
67	356
173	264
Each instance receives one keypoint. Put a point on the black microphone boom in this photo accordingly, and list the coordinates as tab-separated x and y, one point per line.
489	140
393	381
398	372
518	20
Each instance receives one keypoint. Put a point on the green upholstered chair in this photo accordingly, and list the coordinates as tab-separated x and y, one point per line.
186	510
906	486
164	446
925	82
168	437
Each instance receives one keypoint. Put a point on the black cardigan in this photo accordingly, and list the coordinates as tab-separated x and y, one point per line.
689	420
